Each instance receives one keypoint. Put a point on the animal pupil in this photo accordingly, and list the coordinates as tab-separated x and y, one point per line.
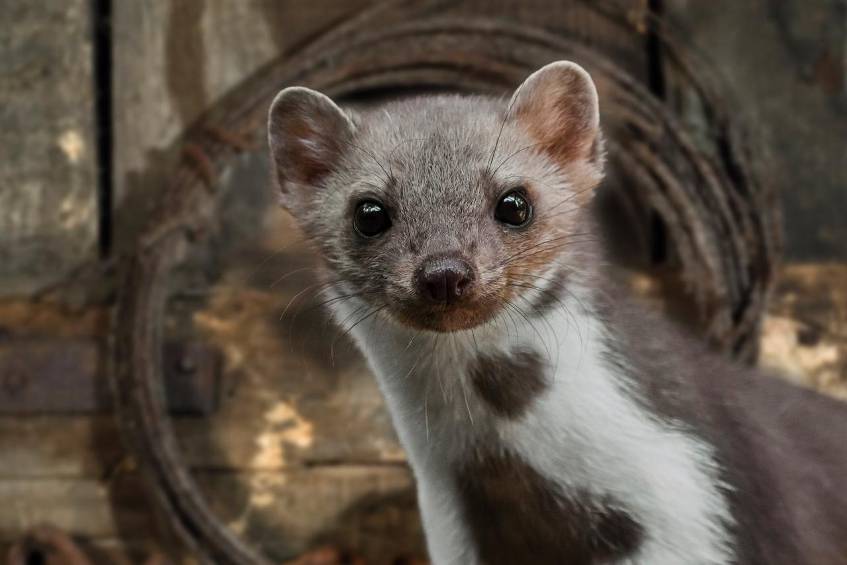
513	209
371	219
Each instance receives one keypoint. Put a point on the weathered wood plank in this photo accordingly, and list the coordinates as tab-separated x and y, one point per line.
66	447
48	191
788	81
369	510
266	424
174	59
89	507
105	551
288	403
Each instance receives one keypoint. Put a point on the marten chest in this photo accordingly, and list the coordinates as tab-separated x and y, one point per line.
515	515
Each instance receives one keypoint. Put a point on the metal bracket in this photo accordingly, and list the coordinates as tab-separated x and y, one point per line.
68	376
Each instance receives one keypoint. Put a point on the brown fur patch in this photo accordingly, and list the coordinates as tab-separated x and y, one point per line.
517	516
508	383
558	107
557	225
308	135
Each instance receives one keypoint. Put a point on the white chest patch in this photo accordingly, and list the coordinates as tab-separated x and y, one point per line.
585	432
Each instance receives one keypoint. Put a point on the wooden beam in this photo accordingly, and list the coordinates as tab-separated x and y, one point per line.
48	185
369	510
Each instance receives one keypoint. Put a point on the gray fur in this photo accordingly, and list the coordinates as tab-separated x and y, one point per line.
782	449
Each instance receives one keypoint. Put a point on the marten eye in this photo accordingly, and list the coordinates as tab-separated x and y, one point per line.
371	218
513	209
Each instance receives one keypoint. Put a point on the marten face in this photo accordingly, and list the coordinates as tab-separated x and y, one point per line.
443	212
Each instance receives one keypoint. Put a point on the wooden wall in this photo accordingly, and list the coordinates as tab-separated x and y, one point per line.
292	462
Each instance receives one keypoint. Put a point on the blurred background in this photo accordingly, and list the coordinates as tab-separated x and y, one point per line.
130	129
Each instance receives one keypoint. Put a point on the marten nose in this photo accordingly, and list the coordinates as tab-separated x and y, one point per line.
444	279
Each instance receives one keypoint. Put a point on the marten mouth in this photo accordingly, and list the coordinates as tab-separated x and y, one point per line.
445	318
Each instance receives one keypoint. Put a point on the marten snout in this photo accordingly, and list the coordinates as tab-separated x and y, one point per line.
444	279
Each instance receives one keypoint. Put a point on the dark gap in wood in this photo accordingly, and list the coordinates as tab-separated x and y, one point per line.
655	62
102	53
658	239
657	233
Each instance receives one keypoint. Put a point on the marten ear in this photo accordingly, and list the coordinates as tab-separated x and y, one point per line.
558	106
308	134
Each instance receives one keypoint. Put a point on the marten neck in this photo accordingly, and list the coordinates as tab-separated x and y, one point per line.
543	398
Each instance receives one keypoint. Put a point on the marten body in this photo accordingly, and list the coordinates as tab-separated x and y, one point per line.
546	419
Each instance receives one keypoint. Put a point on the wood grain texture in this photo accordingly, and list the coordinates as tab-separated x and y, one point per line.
48	191
369	510
267	423
89	507
102	551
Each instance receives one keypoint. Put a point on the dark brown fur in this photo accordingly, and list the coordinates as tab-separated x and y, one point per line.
508	383
517	516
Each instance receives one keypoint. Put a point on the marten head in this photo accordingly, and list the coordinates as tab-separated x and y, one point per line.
443	211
